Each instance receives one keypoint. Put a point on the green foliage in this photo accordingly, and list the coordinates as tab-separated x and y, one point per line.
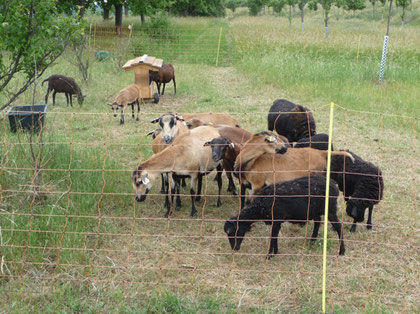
199	7
402	4
32	35
339	3
278	5
313	5
355	5
234	4
255	6
148	7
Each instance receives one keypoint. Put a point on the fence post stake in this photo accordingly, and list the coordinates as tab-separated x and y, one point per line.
327	196
218	47
90	34
94	36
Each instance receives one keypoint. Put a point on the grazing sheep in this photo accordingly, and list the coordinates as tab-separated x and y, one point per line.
187	156
362	185
287	201
210	118
63	84
317	141
165	74
291	120
128	96
265	159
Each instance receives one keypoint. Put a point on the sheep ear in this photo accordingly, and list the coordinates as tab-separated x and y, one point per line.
150	133
109	104
231	145
180	118
155	120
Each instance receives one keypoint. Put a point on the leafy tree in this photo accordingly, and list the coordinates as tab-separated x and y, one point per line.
233	4
106	7
403	4
313	5
32	36
71	6
301	5
383	2
277	5
255	6
355	5
373	2
148	7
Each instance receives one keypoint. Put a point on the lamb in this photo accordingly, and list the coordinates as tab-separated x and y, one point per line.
128	96
165	74
210	118
266	160
63	84
287	201
317	141
362	185
186	157
291	120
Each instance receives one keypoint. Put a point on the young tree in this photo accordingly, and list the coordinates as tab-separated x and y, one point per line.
313	5
326	5
290	3
373	2
383	2
301	5
255	6
403	4
233	4
32	36
339	4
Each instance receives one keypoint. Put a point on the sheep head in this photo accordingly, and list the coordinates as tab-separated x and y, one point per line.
269	142
169	123
219	146
142	182
235	230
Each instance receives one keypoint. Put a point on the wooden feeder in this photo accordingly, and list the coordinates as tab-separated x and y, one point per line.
141	66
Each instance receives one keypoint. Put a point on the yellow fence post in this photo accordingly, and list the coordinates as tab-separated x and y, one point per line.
327	196
94	36
218	47
358	48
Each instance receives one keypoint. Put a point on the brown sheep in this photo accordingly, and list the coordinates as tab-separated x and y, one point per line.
212	118
128	96
165	74
63	84
266	160
186	157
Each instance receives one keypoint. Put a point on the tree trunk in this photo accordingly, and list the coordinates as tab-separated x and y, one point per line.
106	13
290	15
338	14
143	19
126	9
82	4
118	18
373	11
302	13
326	24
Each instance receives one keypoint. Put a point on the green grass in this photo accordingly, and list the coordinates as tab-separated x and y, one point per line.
96	250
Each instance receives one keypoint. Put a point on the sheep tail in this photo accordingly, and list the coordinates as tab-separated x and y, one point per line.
345	154
42	84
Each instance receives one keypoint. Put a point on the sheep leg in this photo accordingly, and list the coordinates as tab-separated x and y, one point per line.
163	90
54	97
200	184
243	191
166	192
274	249
122	115
192	193
231	187
317	224
162	187
132	110
67	98
183	183
138	110
353	226
337	227
46	96
369	221
219	184
71	100
158	87
178	197
174	85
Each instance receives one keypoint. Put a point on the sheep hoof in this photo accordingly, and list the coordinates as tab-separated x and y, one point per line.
369	227
313	240
194	214
353	228
270	255
178	207
234	192
198	198
137	119
219	203
121	121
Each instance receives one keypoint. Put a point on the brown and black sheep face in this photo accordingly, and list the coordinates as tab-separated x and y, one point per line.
141	184
236	232
115	107
219	146
269	143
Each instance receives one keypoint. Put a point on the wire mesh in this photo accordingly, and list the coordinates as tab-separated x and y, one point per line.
84	225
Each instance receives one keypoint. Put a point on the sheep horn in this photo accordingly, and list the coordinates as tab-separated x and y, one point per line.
150	133
155	120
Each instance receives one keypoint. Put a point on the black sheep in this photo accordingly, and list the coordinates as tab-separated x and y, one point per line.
291	120
317	141
291	203
362	185
63	84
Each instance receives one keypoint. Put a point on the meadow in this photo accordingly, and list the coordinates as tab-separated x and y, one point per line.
88	246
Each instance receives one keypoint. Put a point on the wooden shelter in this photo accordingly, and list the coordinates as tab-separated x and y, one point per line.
141	67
